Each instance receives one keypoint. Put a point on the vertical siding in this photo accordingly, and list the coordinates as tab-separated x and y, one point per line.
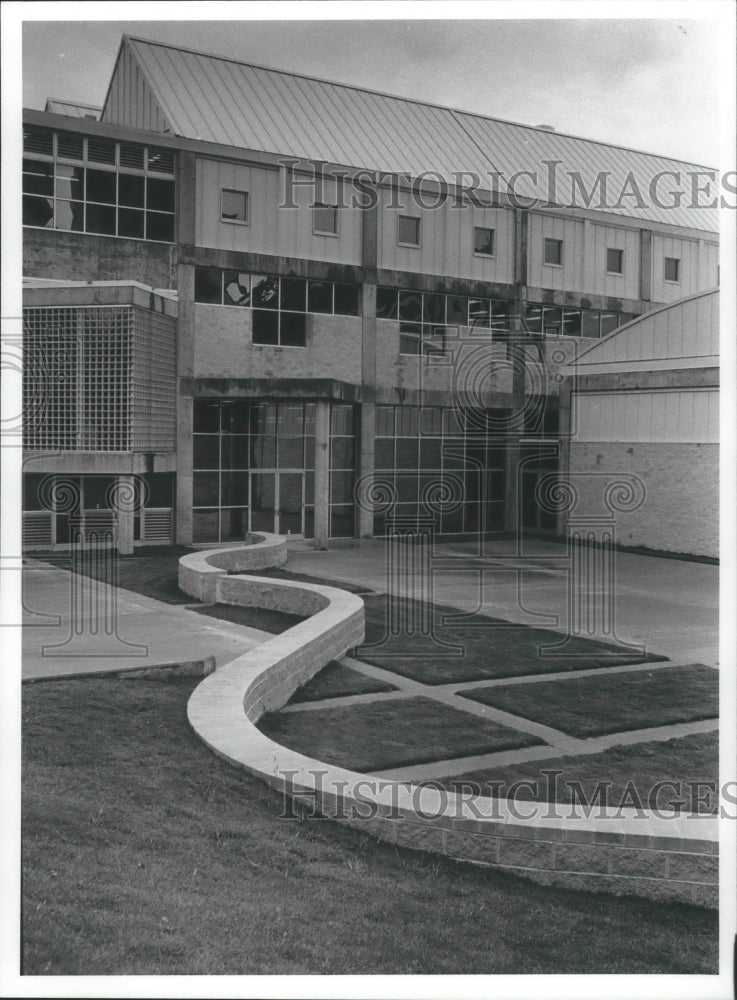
446	239
710	265
271	229
687	251
685	415
569	277
598	240
130	101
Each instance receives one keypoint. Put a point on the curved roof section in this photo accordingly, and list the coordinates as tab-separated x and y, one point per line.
221	100
684	334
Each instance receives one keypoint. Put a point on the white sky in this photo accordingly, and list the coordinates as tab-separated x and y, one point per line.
650	84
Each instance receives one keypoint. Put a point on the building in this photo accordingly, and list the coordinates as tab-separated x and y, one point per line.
642	407
376	298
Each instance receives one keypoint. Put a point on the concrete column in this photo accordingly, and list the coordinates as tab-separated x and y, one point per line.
588	263
646	264
368	331
365	515
125	514
322	473
565	428
183	532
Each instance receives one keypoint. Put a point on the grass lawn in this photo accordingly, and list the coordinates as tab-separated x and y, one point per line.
152	571
490	648
266	619
384	734
144	853
611	703
335	681
685	761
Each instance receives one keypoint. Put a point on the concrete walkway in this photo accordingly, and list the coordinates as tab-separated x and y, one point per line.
74	624
668	606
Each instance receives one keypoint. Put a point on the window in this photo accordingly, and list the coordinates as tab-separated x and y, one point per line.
672	270
408	231
96	185
483	242
325	220
423	316
553	252
614	261
553	321
239	288
234	206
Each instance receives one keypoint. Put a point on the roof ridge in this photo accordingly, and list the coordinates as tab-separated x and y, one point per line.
409	100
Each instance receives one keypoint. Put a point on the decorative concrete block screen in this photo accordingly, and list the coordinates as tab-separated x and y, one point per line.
633	853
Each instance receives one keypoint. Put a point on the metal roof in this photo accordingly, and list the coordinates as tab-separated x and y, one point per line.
220	100
72	109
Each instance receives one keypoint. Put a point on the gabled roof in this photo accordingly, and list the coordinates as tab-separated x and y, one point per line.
72	109
684	334
220	100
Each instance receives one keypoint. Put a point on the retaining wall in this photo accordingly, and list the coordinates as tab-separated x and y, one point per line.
639	853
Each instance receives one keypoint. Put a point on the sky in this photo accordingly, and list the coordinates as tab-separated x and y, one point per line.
648	84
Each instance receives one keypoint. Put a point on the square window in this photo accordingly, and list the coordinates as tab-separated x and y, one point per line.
408	230
293	330
130	223
265	327
208	285
237	288
293	294
159	194
101	219
69	182
70	215
264	291
101	186
320	297
672	270
386	303
614	261
346	300
325	220
234	206
483	241
131	190
159	226
553	252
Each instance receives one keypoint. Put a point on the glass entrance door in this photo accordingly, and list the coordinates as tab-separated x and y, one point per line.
277	502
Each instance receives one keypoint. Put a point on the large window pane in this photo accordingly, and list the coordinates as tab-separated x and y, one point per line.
70	215
234	489
534	318
264	291
234	451
386	303
410	306
205	487
206	451
609	322
207	285
320	297
292	329
293	294
572	322
590	323
159	227
101	186
37	211
101	219
131	190
433	308
159	194
237	288
346	300
457	310
479	313
38	177
384	421
341	453
69	182
265	327
206	417
130	223
341	419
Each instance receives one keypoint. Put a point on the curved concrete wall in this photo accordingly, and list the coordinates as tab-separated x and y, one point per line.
631	853
199	571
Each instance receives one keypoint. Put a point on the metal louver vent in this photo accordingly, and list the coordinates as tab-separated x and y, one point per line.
131	156
69	146
161	161
37	139
101	151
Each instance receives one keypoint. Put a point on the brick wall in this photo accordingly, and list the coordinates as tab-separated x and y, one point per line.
223	348
680	512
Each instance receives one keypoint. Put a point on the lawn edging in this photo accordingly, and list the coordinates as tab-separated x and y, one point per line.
635	852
